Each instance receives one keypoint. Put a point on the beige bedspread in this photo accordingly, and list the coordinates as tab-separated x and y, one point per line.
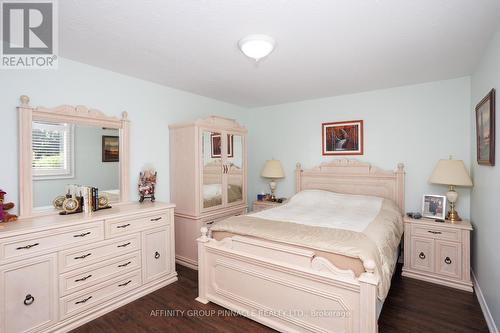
378	241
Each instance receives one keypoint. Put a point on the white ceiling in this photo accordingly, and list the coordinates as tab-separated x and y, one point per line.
324	47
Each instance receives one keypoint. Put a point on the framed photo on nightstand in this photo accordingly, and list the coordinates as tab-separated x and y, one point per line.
434	206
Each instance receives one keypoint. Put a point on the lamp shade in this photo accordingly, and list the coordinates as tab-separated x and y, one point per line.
273	169
450	172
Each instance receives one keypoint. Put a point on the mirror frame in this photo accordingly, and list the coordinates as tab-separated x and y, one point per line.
79	115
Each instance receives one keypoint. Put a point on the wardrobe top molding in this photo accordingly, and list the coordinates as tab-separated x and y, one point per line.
215	122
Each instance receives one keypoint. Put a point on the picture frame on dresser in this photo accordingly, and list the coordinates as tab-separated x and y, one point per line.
434	206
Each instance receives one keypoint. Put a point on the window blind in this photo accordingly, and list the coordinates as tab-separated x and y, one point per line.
52	146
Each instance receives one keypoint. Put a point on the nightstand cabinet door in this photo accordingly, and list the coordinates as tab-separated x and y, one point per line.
449	259
29	298
422	257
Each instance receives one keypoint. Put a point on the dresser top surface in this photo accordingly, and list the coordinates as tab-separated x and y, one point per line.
39	223
465	224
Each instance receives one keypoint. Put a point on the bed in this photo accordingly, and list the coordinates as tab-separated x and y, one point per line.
310	276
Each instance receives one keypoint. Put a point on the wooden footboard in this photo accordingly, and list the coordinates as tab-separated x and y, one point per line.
285	288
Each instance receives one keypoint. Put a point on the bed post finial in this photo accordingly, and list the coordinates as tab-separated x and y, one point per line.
204	235
401	167
298	173
25	100
369	266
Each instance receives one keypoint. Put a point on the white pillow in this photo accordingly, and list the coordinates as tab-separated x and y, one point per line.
212	191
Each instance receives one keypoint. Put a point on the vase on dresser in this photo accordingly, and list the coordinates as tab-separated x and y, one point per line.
208	177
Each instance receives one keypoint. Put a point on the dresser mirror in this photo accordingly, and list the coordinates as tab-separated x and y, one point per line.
66	146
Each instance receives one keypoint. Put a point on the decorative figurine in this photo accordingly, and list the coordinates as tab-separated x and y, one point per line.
147	183
4	207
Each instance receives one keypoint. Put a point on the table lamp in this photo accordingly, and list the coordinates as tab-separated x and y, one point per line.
273	170
452	173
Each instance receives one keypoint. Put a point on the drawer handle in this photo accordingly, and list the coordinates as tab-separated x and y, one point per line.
421	255
157	255
125	264
124	245
123	225
156	219
83	256
83	278
124	284
29	299
27	246
83	235
210	223
434	232
83	300
447	260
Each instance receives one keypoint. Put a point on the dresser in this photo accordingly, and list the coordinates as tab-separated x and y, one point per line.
58	272
438	252
208	178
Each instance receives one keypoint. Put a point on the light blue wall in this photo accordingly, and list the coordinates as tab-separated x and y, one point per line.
485	194
416	125
151	109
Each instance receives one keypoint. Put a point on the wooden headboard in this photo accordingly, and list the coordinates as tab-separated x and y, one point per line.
353	177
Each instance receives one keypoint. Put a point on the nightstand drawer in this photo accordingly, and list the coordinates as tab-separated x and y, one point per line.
449	259
448	234
422	256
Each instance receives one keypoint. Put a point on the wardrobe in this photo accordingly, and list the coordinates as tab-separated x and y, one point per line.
208	178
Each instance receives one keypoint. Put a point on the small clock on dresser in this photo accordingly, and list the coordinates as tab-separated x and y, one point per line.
438	252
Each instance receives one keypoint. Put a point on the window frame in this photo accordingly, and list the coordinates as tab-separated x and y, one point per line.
69	172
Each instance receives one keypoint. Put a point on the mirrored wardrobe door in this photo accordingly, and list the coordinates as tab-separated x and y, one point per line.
211	152
235	165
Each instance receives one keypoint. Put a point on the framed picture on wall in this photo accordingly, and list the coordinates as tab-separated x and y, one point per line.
110	148
216	143
485	129
342	138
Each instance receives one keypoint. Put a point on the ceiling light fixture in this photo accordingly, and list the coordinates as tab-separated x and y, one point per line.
257	46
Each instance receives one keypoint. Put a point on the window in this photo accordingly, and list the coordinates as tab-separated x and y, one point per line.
52	150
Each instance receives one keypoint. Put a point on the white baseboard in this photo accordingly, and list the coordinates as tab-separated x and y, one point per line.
484	306
189	263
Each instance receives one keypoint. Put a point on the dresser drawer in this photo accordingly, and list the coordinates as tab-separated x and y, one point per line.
90	254
208	221
80	301
85	277
449	259
436	233
127	225
54	239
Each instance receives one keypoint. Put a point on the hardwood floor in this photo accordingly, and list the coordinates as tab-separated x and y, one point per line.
412	306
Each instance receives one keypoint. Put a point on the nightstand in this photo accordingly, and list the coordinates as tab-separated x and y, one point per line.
264	204
438	252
